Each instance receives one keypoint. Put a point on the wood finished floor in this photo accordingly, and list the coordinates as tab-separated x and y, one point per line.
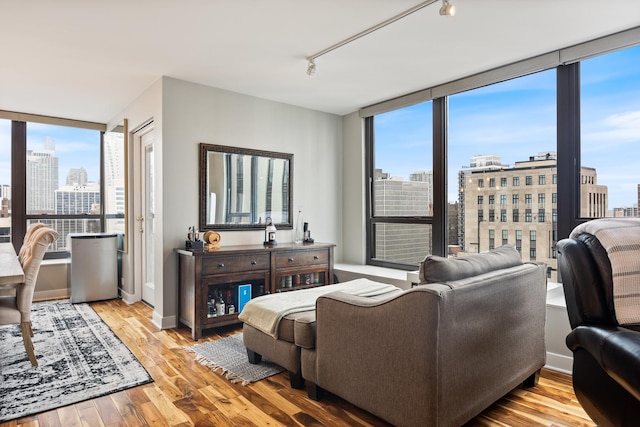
185	393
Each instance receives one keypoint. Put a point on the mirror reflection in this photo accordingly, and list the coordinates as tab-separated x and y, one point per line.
241	188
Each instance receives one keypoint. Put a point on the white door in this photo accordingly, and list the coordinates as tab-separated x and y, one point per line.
145	213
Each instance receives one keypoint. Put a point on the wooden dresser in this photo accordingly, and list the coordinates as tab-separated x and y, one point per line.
205	277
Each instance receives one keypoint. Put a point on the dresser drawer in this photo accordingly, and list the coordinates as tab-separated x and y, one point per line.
302	258
235	263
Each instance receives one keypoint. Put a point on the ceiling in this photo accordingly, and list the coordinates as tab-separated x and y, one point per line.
88	60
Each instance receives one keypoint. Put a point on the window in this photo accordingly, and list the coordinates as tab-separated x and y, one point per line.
541	198
541	216
400	168
480	215
63	187
554	198
528	215
541	179
532	253
505	237
492	215
480	200
519	240
490	117
516	215
528	180
480	183
554	179
515	199
532	235
554	218
528	199
492	199
609	129
492	239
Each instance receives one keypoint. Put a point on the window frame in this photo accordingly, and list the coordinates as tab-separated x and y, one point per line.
19	216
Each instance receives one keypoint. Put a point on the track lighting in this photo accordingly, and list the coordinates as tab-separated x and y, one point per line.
447	8
311	67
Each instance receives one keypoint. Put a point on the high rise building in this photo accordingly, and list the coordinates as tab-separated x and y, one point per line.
73	200
518	205
42	178
403	243
77	176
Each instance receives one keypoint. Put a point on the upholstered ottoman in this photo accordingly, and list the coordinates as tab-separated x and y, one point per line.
276	326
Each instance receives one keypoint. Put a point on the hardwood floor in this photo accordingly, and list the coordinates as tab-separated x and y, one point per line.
186	393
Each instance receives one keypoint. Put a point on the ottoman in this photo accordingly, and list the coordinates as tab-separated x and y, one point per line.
295	327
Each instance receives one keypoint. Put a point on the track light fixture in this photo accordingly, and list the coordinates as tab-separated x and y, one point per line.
311	67
447	8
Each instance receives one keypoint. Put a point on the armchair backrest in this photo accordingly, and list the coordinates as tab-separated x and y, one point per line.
32	257
585	271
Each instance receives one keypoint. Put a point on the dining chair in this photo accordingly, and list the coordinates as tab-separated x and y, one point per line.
29	235
17	309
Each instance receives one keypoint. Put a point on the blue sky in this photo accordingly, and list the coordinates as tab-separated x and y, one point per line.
517	119
75	148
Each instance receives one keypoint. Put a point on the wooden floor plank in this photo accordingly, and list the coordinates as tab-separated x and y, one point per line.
186	393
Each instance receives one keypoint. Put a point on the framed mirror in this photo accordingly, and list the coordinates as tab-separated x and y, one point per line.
115	160
240	188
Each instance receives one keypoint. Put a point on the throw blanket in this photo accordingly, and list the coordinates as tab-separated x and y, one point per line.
620	237
264	313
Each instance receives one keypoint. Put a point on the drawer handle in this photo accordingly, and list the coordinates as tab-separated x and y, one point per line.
290	259
221	265
254	262
315	257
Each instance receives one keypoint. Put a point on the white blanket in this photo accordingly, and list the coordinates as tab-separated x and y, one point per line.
264	313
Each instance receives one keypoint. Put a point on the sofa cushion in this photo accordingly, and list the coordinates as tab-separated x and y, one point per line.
436	269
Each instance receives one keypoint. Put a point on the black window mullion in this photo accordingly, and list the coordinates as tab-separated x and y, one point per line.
568	146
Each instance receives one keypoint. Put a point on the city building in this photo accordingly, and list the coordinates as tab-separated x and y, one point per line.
518	206
42	178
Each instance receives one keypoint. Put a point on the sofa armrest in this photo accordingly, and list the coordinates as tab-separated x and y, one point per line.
616	349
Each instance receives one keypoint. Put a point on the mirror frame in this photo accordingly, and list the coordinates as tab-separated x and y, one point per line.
205	149
123	128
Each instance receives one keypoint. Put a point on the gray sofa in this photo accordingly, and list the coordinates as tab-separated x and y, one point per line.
437	354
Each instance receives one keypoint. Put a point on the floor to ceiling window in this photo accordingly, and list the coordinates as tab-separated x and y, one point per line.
50	173
401	186
610	134
502	149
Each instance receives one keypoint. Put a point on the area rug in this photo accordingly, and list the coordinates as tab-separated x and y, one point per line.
79	358
229	356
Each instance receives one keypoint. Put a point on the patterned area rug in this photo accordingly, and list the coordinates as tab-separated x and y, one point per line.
229	356
79	358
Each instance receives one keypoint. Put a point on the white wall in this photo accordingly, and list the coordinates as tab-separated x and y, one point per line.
193	113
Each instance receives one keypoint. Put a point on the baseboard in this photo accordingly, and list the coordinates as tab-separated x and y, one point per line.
51	295
128	298
559	362
164	322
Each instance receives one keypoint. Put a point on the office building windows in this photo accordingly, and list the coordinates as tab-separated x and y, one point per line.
515	199
516	215
503	215
528	199
528	180
528	216
492	199
516	181
541	216
542	179
480	200
481	183
505	237
492	182
492	239
503	182
541	198
503	199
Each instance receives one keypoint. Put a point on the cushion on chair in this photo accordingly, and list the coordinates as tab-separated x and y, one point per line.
435	269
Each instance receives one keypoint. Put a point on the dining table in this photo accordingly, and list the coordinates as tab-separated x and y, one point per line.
10	269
